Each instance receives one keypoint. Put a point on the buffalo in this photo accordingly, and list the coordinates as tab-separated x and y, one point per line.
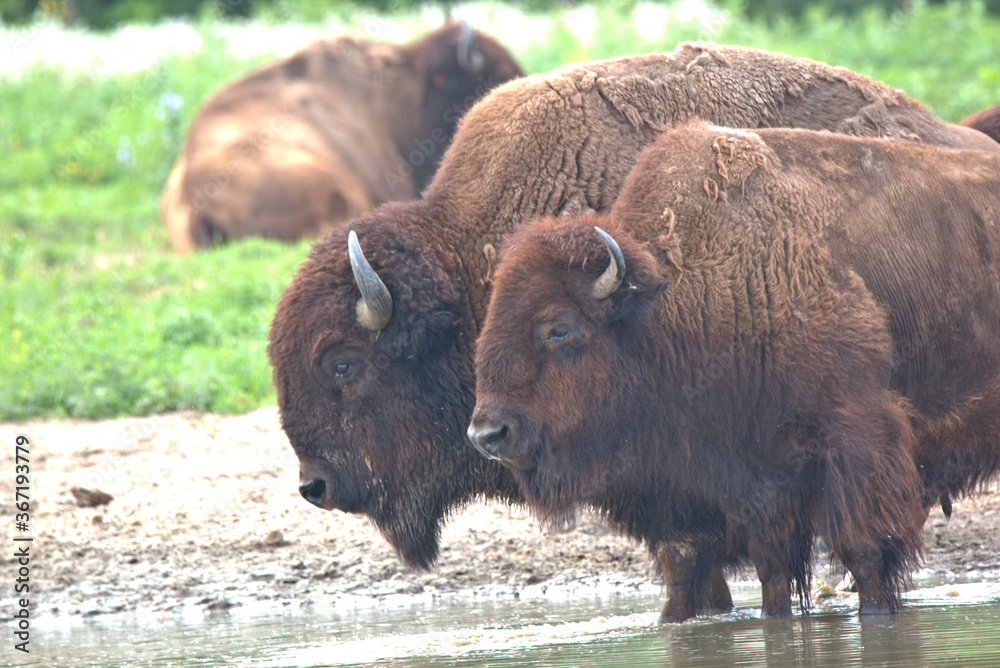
372	343
792	332
986	121
315	140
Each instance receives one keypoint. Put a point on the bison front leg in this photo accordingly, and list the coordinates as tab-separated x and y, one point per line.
775	581
695	582
871	504
876	579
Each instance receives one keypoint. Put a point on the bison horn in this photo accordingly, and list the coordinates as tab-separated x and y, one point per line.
374	309
612	277
470	58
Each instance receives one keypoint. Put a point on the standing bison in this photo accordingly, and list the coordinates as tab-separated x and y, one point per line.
372	347
314	140
986	121
787	321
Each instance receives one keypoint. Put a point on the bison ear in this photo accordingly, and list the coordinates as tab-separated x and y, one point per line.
432	333
633	303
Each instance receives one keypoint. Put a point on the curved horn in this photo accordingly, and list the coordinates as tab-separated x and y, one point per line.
612	277
470	58
374	309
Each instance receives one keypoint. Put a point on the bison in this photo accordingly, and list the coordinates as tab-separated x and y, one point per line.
792	328
315	140
986	121
372	347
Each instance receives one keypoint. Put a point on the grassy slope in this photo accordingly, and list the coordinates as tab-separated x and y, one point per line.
98	317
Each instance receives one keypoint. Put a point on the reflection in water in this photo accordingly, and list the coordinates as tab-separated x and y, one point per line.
951	625
890	641
827	639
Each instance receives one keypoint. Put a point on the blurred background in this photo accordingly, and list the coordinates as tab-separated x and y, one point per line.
99	317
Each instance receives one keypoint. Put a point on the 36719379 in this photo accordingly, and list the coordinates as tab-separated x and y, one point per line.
22	543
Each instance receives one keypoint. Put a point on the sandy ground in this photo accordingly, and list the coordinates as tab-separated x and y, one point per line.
205	513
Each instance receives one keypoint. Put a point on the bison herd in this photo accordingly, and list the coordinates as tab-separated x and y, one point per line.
733	301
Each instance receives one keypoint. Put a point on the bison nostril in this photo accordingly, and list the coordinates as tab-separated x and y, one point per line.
487	441
314	492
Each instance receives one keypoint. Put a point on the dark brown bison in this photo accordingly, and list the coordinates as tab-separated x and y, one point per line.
788	321
375	399
986	121
315	140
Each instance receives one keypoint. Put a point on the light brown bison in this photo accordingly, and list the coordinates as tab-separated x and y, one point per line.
788	321
375	395
315	140
986	121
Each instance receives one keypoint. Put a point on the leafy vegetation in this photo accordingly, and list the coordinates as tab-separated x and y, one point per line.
107	13
98	316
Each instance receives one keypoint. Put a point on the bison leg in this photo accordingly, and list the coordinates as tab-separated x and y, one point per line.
876	579
871	506
719	597
695	582
775	581
850	584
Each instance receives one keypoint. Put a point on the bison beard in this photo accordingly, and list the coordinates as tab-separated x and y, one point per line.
803	260
416	535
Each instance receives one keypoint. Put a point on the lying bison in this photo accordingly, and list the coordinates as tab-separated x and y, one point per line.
788	319
986	121
375	395
314	140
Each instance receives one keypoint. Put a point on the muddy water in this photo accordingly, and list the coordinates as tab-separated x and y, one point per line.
940	626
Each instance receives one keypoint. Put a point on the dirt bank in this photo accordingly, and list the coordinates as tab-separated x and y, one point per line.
206	513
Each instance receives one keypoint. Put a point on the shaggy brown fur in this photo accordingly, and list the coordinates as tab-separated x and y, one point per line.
317	139
388	438
803	315
986	121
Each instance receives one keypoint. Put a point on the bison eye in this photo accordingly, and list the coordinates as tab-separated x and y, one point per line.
557	334
563	334
340	368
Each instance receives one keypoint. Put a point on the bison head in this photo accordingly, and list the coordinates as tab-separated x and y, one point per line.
457	66
559	359
375	382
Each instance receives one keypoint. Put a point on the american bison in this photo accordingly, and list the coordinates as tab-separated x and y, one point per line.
792	327
986	121
375	399
315	140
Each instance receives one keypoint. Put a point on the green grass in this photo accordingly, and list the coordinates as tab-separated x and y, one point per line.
143	333
98	316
